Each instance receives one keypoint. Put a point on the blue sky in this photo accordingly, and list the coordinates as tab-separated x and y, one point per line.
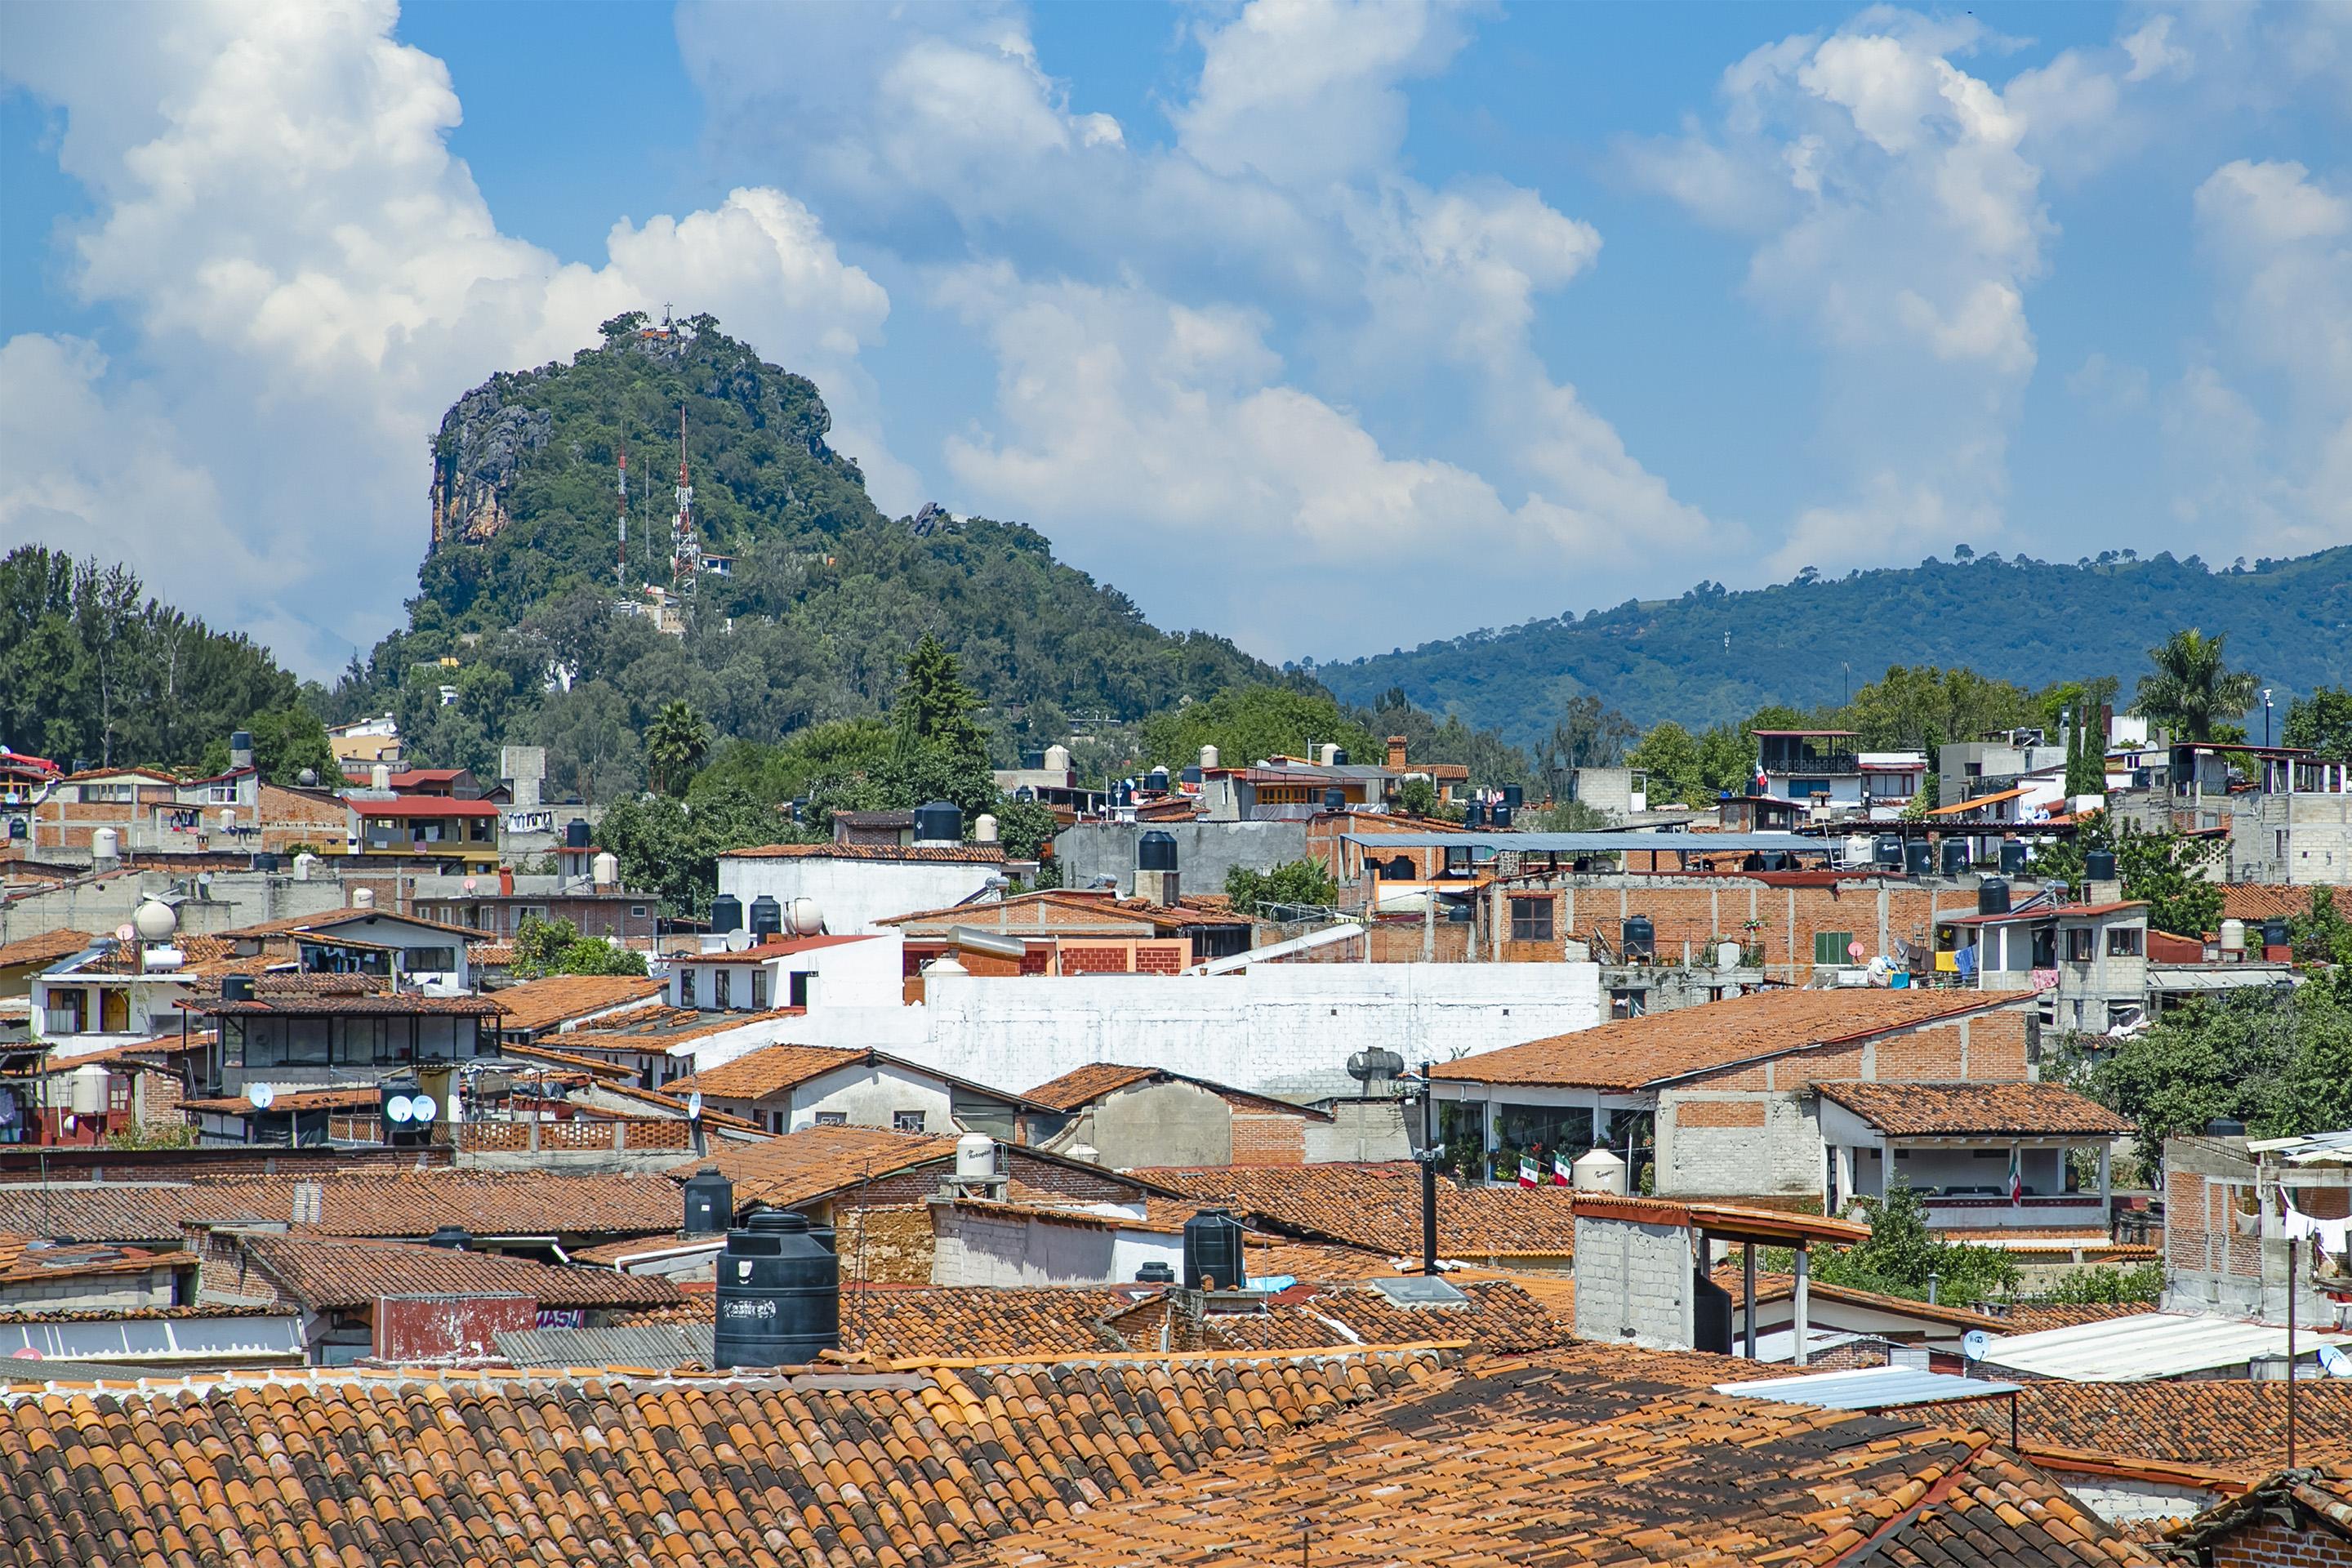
1328	326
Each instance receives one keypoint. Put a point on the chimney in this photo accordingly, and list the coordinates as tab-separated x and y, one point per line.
506	882
1396	754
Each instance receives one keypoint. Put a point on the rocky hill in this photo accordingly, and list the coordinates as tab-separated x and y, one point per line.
1712	656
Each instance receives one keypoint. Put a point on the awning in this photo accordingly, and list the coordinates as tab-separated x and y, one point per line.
2146	1347
1972	805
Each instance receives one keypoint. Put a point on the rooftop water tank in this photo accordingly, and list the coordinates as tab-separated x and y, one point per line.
938	822
983	828
154	920
1637	938
264	861
767	918
453	1237
1598	1171
2275	934
975	1157
709	1202
1156	851
1155	1274
1329	756
1155	781
1033	762
726	914
364	897
1335	799
1338	756
380	777
2233	936
1499	814
2099	866
1208	757
575	833
1955	856
239	740
1474	815
1727	955
106	844
236	987
606	870
1057	758
1887	850
1513	796
1191	776
779	1294
1919	858
1992	896
803	918
305	865
2012	857
1213	1252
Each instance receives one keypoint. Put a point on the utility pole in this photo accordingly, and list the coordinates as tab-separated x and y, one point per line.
621	566
1429	1153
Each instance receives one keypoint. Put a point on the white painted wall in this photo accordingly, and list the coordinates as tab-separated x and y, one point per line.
1280	1029
852	895
1000	1250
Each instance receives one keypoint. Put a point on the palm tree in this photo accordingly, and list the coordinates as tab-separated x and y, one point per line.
2193	688
675	745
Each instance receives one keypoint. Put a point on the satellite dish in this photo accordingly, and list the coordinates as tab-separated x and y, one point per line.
400	1109
423	1107
260	1095
694	1106
126	933
1854	950
1975	1343
469	884
738	940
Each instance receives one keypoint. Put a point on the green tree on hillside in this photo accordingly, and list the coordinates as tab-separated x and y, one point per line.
675	747
2192	690
1671	758
1253	721
2165	868
2322	722
934	707
285	743
1903	1256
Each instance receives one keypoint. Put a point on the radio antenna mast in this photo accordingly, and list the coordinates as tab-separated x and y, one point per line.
686	557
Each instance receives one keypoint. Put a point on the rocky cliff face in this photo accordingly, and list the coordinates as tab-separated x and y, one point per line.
479	449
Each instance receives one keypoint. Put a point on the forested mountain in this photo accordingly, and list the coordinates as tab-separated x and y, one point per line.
825	599
1713	656
93	670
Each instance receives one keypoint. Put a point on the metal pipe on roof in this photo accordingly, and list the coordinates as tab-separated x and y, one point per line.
969	939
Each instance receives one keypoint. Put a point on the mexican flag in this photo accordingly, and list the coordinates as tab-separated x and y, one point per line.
1561	1175
2016	1178
1528	1171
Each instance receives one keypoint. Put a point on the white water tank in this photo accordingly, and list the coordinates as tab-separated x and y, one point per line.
1858	851
1727	955
364	897
228	819
1208	758
1330	756
975	1157
380	777
1598	1171
983	828
157	959
305	865
106	844
154	920
2233	936
604	870
803	918
1057	758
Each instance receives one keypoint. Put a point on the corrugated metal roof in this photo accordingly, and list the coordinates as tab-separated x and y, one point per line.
656	1345
1868	1388
1600	843
2146	1346
2215	979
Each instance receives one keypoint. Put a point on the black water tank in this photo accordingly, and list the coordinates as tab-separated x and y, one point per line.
453	1237
1474	815
1156	851
264	862
1155	1274
709	1202
1213	1252
400	1130
2099	866
1191	775
1034	761
779	1294
2012	857
1778	860
1339	757
1888	850
938	822
1992	896
1499	814
767	918
2275	934
1513	796
575	833
726	914
1637	937
16	827
239	741
1918	857
1155	781
1335	799
2224	1127
236	987
1955	856
1123	792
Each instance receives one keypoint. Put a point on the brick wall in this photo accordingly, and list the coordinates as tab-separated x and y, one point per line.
891	1245
1719	1113
2273	1545
1693	912
159	1102
1095	959
1268	1138
1161	957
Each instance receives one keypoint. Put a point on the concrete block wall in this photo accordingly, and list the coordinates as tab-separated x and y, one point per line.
1634	1283
1711	1144
90	1293
1205	851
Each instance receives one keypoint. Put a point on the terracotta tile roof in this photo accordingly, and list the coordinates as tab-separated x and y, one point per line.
1772	1288
1527	1464
2238	1426
1314	1262
308	1003
1182	915
769	1070
2032	1316
1633	1053
2265	901
2317	1495
47	948
772	947
410	1203
360	1098
26	1260
339	1273
493	1472
539	1005
1962	1109
659	1028
976	854
1081	1086
805	1167
331	919
1378	1206
1498	1317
